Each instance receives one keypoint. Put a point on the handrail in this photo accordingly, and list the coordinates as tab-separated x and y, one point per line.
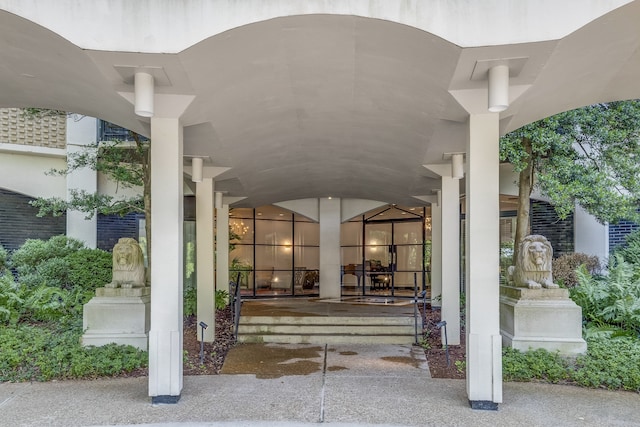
236	301
416	300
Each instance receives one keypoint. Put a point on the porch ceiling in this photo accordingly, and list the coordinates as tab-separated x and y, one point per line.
320	105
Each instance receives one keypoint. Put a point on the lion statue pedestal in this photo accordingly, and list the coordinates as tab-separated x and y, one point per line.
534	311
121	311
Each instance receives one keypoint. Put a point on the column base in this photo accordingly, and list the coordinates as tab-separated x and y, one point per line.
162	400
483	405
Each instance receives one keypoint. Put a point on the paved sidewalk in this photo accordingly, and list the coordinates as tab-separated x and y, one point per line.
340	386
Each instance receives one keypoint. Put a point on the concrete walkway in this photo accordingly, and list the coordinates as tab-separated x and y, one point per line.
335	385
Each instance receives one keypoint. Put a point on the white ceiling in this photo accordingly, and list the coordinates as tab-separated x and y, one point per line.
321	105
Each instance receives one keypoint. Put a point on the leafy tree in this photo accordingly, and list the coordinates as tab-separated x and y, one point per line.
587	156
128	164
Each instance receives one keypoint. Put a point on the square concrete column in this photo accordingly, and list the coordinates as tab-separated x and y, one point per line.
205	255
80	135
484	343
222	248
450	270
330	248
165	336
436	253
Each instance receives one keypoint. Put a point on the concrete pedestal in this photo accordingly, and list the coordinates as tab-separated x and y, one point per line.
120	316
540	318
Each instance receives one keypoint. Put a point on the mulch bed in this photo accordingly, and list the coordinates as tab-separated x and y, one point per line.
437	354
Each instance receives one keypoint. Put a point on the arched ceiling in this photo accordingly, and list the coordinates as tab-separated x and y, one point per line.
325	105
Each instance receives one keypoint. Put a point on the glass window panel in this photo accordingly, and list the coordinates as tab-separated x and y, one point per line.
282	280
308	257
404	280
409	257
379	254
273	232
351	234
378	234
407	232
273	257
307	233
351	255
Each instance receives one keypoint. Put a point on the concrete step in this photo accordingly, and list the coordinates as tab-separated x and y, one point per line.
327	339
327	329
327	320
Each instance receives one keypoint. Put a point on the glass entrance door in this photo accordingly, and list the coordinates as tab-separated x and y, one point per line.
384	253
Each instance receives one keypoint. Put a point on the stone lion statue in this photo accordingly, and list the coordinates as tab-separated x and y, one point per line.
128	264
532	269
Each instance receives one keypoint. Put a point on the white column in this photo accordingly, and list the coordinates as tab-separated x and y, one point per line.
484	344
222	248
80	135
204	258
436	254
165	336
591	237
450	269
329	248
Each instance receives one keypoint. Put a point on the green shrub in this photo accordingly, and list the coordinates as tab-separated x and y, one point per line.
89	268
33	252
564	268
221	299
612	300
538	364
613	363
630	251
11	300
4	260
190	301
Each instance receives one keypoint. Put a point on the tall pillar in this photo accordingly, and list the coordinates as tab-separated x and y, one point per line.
436	253
484	344
81	134
330	248
222	247
204	258
450	270
165	336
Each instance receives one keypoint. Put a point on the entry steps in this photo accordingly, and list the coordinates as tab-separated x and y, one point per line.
327	329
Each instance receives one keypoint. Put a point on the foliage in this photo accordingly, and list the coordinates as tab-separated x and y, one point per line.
34	252
586	156
611	363
564	268
506	258
630	251
89	268
190	301
221	299
538	364
4	259
613	300
11	300
238	266
125	163
47	352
